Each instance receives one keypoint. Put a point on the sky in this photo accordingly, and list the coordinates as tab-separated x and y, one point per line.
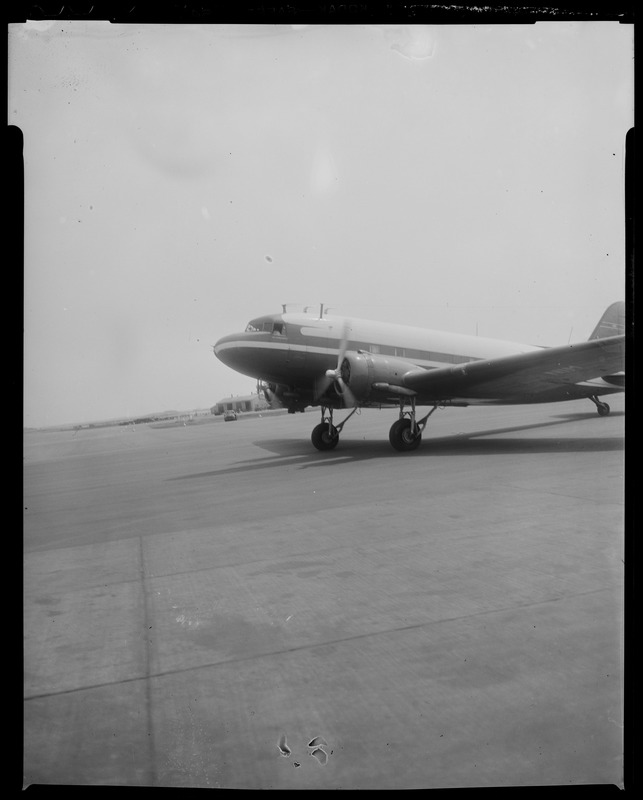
181	180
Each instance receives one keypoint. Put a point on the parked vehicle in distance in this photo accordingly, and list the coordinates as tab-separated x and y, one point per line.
230	416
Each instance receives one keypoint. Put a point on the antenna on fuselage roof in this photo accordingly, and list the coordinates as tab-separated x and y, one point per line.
323	311
284	307
306	309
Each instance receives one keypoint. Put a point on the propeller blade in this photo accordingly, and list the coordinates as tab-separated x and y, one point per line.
335	375
322	384
343	345
275	402
347	395
271	397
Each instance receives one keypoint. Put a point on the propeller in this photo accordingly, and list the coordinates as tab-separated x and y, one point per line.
271	397
340	375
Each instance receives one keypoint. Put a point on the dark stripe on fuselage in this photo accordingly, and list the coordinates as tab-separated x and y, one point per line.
290	357
295	336
411	353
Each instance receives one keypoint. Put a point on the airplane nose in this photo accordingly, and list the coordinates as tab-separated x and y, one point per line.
250	353
224	349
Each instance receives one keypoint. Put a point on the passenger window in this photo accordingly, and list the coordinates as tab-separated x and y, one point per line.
278	327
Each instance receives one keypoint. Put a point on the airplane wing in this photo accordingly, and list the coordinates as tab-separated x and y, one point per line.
524	374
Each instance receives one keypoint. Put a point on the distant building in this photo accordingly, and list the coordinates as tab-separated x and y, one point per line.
249	402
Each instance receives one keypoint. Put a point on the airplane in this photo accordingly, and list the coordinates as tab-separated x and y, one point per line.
333	362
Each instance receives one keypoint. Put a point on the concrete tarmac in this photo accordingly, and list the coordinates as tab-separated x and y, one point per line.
223	606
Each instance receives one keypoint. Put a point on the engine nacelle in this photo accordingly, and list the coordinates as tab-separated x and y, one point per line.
365	373
279	396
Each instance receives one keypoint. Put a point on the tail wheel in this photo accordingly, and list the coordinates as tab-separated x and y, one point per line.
401	436
603	409
325	437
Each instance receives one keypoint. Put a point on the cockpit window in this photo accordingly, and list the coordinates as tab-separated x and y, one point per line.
266	325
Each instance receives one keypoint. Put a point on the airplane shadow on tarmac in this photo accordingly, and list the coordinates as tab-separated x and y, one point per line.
300	453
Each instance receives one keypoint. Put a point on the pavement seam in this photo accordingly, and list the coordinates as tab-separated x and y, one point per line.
147	662
270	654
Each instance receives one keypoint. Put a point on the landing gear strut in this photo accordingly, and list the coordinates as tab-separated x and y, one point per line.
406	433
602	408
325	436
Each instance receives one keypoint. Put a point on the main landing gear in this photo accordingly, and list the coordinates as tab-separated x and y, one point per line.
406	433
602	408
326	435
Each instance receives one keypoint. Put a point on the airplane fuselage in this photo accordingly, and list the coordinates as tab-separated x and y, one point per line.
294	351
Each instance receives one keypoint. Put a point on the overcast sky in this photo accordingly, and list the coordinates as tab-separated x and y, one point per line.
182	180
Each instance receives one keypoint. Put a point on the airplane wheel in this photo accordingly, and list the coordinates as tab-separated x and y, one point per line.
322	439
603	409
401	438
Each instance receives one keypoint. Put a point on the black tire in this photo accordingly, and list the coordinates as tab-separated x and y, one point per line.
322	438
603	409
401	438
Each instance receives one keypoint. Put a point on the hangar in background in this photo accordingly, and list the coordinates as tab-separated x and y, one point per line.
249	402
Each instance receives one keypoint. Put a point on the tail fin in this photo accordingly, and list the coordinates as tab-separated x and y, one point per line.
612	323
